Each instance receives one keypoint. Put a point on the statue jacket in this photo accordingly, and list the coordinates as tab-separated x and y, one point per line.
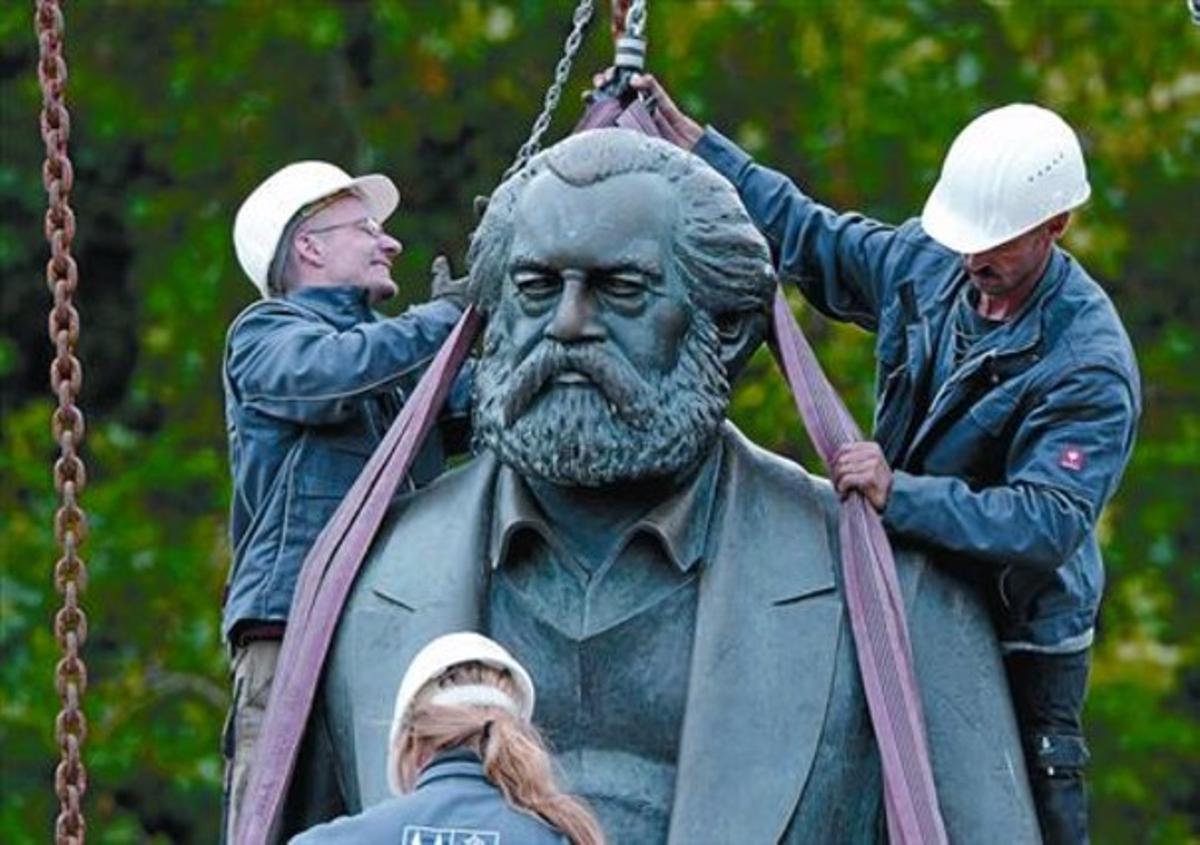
776	743
1004	467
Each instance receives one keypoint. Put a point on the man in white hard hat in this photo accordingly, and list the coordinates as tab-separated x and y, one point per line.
1007	393
313	378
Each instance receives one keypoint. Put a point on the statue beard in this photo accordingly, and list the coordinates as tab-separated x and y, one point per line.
621	426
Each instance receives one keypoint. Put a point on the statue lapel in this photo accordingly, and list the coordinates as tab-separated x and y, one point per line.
424	578
767	633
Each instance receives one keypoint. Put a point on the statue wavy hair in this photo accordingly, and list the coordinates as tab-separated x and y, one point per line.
724	259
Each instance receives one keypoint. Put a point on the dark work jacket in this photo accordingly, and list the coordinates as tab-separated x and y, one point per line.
1005	469
312	381
453	804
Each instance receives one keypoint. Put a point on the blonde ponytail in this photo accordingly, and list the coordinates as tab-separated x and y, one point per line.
514	755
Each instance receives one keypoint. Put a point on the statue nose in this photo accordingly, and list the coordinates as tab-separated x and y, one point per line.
575	315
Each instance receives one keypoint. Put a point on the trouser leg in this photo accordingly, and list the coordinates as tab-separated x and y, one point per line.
1048	694
252	672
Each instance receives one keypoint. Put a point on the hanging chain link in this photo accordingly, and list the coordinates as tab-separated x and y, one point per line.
583	15
635	20
66	378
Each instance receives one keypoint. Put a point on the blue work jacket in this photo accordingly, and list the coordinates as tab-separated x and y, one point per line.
453	804
312	382
1003	470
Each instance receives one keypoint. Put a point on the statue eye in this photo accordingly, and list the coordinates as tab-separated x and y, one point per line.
624	285
537	284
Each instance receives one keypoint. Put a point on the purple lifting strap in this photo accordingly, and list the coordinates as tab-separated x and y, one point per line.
874	602
325	581
873	596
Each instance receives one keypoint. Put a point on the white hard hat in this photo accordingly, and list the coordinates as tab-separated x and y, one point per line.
1008	171
265	214
445	653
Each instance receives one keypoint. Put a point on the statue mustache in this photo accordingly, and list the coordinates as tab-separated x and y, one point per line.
616	379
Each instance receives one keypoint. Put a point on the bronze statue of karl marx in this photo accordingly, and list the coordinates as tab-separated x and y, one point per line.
674	589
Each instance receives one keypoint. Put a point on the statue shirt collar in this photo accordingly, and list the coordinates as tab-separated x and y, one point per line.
680	522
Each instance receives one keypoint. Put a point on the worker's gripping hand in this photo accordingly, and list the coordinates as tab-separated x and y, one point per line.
673	124
444	286
862	467
676	126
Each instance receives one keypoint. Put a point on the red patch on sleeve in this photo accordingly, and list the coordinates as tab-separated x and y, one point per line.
1071	458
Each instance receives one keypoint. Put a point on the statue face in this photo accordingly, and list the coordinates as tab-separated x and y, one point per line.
587	267
597	366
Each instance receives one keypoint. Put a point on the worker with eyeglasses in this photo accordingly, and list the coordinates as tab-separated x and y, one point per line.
313	378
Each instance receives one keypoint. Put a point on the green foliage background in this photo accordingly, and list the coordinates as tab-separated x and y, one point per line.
180	107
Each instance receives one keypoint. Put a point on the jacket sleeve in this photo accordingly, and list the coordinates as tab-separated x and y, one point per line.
843	263
1063	464
286	364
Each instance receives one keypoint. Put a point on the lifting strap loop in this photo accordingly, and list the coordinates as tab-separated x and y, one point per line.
872	592
874	603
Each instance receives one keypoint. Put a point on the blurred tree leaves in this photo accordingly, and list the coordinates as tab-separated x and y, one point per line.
179	108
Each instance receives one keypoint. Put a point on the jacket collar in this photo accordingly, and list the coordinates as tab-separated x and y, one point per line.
343	305
751	486
1006	350
1024	330
456	762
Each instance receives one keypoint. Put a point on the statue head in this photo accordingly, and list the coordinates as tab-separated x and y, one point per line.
625	287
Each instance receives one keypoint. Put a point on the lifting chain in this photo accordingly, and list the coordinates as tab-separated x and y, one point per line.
629	35
70	477
583	15
635	20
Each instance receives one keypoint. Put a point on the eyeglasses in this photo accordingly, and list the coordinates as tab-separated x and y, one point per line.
368	225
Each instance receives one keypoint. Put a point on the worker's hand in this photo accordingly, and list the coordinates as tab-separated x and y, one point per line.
676	126
673	124
444	286
861	467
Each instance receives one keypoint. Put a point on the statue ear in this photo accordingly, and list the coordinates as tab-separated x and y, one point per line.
740	333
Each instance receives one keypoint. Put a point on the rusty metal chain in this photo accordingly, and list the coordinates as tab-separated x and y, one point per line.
583	15
70	476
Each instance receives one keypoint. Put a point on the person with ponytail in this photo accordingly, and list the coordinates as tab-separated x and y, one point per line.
465	762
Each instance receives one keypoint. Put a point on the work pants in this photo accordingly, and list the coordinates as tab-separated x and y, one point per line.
1048	692
252	672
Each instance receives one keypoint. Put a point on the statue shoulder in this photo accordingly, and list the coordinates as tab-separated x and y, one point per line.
470	482
449	513
770	502
777	477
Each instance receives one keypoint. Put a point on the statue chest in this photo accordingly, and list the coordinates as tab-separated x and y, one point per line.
610	655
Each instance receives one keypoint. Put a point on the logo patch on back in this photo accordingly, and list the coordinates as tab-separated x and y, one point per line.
1071	458
418	835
